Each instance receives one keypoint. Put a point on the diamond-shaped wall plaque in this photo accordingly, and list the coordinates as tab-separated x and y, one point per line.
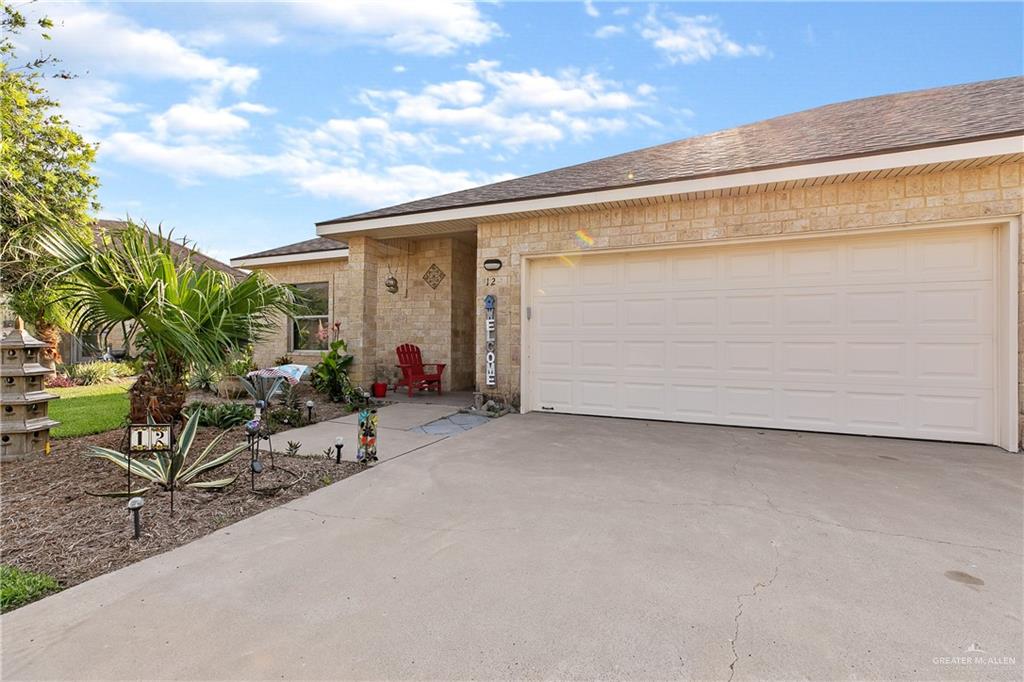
433	276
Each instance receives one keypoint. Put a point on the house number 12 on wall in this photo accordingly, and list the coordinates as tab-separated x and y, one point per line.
490	326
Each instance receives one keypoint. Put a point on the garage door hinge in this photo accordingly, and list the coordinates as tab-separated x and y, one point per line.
529	312
545	407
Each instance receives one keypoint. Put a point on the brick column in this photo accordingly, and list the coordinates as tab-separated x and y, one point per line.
356	306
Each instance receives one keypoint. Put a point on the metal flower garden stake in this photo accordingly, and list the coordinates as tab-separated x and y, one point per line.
367	450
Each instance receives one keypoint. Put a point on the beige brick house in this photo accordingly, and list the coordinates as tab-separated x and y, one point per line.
854	268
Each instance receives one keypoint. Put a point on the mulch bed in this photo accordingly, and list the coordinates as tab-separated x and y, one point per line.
48	523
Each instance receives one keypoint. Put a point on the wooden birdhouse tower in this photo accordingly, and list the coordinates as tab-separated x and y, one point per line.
24	422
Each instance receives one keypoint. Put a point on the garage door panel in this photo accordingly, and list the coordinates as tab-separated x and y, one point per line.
598	355
955	256
876	309
961	307
694	357
810	265
743	265
645	398
816	360
811	408
641	355
954	416
748	357
644	313
745	311
597	395
598	274
873	360
693	270
697	402
953	361
871	260
697	312
600	313
889	335
750	403
811	310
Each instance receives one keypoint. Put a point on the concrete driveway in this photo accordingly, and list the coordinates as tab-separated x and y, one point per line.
546	546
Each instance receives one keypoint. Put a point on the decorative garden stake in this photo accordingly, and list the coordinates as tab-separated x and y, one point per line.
135	505
367	452
339	443
24	423
309	410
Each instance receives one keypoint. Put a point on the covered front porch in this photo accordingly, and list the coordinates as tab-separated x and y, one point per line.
412	290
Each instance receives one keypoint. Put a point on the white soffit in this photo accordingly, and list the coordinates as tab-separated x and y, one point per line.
447	220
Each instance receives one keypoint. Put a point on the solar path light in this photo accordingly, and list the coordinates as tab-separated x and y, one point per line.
135	506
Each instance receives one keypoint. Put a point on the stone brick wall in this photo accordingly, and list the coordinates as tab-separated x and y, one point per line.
994	190
331	271
464	304
417	314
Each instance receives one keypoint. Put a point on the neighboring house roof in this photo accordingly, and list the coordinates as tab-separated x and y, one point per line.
178	249
876	125
314	245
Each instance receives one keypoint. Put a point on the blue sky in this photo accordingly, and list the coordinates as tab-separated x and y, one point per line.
241	124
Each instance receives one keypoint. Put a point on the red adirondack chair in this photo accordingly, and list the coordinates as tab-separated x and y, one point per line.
413	374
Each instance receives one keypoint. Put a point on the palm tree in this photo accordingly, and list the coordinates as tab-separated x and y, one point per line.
177	313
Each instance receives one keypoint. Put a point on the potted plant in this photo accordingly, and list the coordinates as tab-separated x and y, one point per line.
380	382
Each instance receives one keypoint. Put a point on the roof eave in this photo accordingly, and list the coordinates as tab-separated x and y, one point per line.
445	218
282	259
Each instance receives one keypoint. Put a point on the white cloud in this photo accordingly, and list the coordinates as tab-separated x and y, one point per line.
590	9
620	11
200	119
264	33
90	104
570	89
390	185
689	39
608	31
432	27
185	162
99	41
398	68
511	108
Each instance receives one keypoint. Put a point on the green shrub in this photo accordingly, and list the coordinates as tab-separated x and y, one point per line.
204	378
221	415
330	375
18	588
98	372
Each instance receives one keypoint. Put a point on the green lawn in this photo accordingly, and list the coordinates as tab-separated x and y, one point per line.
82	410
18	587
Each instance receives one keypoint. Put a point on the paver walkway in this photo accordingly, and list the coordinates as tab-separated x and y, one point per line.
401	428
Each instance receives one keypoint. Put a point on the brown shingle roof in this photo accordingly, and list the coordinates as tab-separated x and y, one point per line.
179	249
308	246
889	123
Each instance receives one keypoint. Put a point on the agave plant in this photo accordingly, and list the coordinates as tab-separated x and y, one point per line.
262	388
169	470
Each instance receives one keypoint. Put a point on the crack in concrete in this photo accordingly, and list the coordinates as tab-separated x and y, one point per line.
760	584
392	520
835	524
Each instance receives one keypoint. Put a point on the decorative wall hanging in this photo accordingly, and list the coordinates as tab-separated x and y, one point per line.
391	283
433	276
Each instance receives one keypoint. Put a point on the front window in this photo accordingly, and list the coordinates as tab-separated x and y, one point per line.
311	330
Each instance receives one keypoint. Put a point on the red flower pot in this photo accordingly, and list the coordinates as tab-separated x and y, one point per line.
380	389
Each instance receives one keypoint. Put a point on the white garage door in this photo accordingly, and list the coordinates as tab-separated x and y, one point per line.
883	334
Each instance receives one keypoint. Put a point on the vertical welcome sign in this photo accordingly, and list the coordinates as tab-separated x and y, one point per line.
490	328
